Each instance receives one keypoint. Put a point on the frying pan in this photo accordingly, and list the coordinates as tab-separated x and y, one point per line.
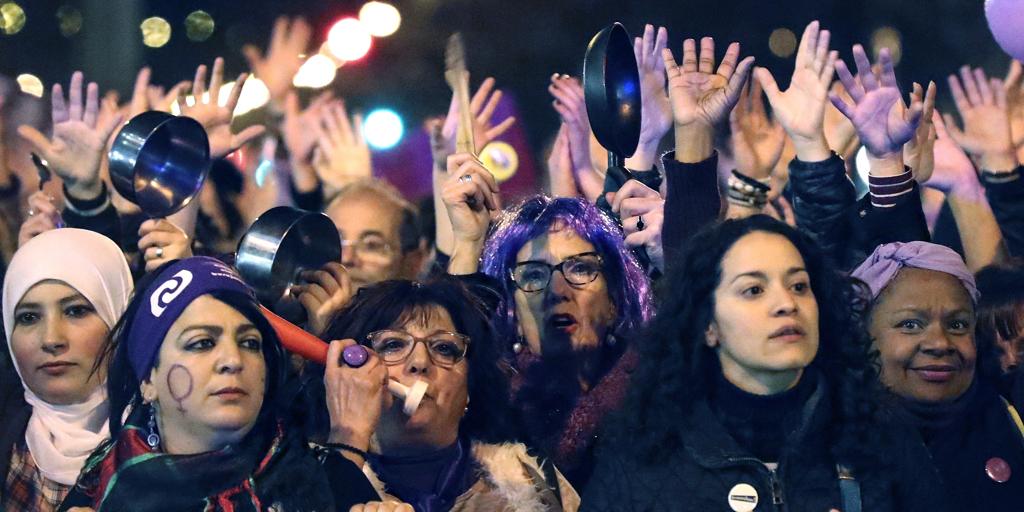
159	161
611	89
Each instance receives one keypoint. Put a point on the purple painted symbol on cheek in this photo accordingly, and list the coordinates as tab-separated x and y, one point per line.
179	383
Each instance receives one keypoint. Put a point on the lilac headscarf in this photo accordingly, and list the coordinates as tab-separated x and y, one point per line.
888	259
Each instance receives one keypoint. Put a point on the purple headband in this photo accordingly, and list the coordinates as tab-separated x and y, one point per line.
885	263
175	288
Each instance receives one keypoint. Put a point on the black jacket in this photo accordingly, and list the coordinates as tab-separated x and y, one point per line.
1006	197
826	207
699	475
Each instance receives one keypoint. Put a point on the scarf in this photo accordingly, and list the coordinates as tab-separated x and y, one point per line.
129	475
429	482
61	437
888	259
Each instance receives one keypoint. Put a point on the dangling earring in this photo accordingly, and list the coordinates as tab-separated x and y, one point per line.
519	345
153	439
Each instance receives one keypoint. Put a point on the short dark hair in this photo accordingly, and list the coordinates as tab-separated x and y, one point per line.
386	304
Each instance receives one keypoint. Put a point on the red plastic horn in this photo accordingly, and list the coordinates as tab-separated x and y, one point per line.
296	340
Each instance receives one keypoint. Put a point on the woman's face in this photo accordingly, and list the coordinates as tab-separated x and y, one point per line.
563	317
765	325
56	339
210	376
436	422
923	327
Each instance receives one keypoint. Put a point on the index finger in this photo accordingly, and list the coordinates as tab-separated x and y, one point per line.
632	188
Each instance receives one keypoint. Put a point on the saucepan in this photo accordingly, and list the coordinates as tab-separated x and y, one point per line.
611	89
159	162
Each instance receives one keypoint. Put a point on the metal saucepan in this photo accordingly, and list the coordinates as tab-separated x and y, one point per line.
611	88
159	161
279	245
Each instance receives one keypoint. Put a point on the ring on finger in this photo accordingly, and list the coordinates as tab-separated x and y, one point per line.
640	223
466	178
159	252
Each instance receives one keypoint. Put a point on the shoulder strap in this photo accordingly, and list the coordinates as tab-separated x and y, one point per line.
1014	415
849	489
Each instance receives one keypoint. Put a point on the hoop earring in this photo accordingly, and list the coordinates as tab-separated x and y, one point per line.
153	439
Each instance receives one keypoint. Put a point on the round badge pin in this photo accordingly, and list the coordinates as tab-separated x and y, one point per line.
743	498
998	470
501	159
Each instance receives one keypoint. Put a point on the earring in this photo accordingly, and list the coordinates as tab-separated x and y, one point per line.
611	340
519	345
467	406
153	439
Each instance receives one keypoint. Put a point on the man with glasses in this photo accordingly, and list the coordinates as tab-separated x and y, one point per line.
380	237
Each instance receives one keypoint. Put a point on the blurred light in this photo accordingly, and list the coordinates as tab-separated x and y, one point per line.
380	19
349	40
199	26
30	84
69	19
863	164
155	32
782	42
383	129
318	71
254	95
12	18
887	37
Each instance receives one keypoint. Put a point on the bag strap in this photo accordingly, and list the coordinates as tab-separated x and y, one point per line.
1014	415
849	489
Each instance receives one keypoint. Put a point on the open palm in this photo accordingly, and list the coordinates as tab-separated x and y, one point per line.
698	95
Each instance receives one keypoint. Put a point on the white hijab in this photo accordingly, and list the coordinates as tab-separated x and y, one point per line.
61	437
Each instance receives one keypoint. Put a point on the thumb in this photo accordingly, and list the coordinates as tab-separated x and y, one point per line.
767	81
610	197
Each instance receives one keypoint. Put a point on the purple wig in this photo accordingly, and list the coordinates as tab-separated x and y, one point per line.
628	286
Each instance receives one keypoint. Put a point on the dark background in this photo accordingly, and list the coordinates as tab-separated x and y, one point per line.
520	42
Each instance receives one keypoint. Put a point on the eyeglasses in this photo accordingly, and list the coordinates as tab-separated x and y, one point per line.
370	246
578	270
445	349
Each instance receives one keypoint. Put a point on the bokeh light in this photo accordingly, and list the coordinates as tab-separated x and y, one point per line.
69	19
349	40
155	32
12	18
782	42
380	19
887	37
383	129
30	84
254	95
318	71
199	26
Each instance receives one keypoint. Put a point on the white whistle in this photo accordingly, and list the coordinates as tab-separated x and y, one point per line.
412	395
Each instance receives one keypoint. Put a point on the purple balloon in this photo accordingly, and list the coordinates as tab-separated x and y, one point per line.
1006	20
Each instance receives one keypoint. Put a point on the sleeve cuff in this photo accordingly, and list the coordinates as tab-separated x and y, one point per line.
886	190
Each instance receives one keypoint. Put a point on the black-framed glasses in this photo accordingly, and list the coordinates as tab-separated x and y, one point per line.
445	349
578	270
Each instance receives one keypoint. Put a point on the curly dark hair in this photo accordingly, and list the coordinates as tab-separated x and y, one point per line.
677	367
999	314
390	303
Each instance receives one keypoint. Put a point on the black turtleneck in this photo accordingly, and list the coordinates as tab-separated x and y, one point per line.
760	424
430	482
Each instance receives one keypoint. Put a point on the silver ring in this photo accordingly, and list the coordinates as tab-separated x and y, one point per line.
466	178
159	252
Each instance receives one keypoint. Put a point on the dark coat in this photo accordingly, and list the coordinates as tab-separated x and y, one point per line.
14	414
699	474
826	208
1006	197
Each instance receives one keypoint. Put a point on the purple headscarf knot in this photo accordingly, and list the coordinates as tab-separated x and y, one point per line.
167	297
888	259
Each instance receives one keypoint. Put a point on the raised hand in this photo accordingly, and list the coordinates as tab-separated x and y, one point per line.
572	109
161	241
1014	87
382	506
300	127
953	168
883	122
655	109
919	152
839	131
342	154
216	118
356	397
277	68
483	104
76	149
697	93
322	294
561	182
471	195
801	108
42	216
983	106
757	140
146	96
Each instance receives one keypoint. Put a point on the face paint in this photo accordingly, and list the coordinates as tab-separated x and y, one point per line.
179	383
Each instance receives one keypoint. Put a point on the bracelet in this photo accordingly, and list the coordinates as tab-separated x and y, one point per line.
91	212
746	191
345	447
